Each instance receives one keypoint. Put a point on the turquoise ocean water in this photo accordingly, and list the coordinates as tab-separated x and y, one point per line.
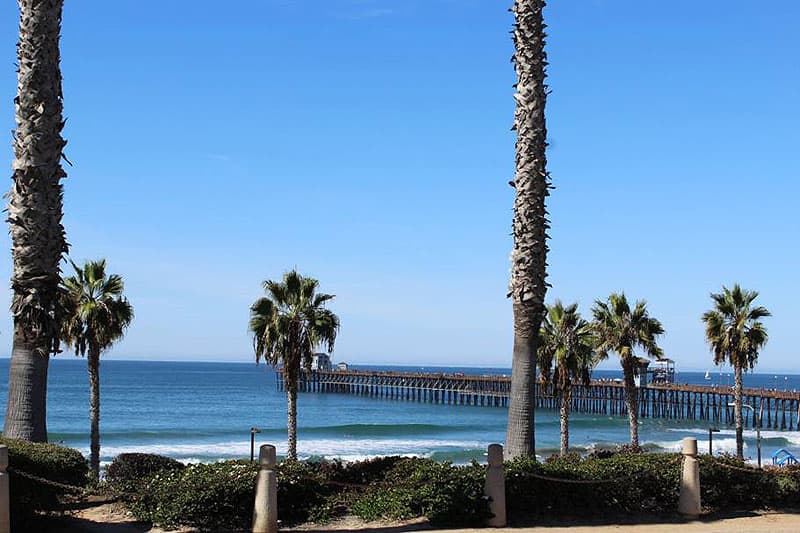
204	411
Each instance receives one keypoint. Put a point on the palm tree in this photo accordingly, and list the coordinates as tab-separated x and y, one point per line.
96	316
736	335
531	181
34	217
287	325
620	329
568	344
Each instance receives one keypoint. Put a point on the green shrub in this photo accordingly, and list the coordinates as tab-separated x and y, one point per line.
637	483
219	496
128	470
303	492
358	472
211	497
728	483
787	487
445	494
48	461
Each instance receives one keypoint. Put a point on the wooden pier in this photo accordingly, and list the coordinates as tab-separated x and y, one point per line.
700	403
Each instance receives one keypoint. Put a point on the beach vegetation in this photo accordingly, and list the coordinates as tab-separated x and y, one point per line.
287	325
445	494
48	461
620	328
621	483
128	470
96	315
531	183
736	334
566	355
35	208
571	486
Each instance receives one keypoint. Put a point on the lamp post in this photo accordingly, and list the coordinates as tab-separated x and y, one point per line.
711	432
758	427
253	432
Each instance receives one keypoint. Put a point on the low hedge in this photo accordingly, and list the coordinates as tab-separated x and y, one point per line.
220	496
213	497
446	495
727	483
635	483
128	470
48	461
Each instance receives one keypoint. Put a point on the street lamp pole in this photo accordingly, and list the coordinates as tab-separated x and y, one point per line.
253	432
711	432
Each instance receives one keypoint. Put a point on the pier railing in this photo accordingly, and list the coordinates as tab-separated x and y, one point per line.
778	409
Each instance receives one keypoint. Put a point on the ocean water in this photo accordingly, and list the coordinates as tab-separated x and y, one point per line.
196	411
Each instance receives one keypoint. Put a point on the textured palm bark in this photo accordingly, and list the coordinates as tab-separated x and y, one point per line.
631	399
27	391
527	287
737	411
34	215
564	416
291	422
94	410
520	437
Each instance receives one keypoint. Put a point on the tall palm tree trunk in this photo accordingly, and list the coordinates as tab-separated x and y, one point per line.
520	438
291	422
632	400
34	216
26	412
94	410
564	416
737	411
529	255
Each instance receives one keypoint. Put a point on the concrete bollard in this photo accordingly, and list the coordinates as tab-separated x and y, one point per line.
265	512
5	515
495	487
689	502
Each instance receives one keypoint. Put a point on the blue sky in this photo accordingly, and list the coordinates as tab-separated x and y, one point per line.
367	143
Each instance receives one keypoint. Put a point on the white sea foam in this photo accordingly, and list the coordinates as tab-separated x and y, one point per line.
720	445
792	437
349	449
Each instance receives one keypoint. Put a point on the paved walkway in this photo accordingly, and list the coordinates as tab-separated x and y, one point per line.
749	523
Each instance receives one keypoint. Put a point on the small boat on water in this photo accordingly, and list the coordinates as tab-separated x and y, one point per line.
708	375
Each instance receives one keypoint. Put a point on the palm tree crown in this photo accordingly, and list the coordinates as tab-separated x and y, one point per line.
96	312
620	329
734	329
291	321
568	344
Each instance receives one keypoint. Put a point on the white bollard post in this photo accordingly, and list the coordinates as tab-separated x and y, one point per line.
689	501
495	487
5	515
265	512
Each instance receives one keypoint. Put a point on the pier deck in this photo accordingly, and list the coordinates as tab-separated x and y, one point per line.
780	409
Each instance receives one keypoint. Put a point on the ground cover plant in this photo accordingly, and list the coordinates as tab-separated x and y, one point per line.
219	496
